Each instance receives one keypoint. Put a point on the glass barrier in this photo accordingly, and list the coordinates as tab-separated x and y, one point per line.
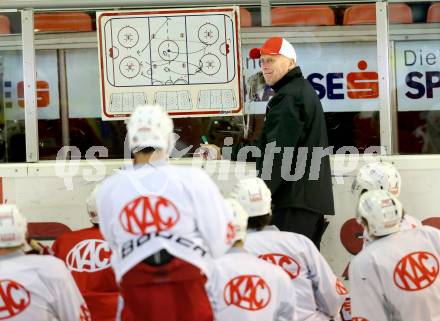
12	130
336	49
343	72
417	74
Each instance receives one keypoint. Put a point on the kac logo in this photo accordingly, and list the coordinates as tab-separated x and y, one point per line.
14	299
249	292
416	271
148	214
89	256
288	264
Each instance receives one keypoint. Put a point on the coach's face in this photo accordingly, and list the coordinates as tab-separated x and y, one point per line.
275	67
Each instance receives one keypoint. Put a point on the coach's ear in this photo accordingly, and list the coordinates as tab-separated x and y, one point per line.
292	64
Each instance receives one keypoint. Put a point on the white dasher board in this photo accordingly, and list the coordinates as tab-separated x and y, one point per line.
185	60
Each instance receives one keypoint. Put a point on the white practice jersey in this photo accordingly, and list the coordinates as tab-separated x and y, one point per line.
396	278
408	222
38	288
320	294
243	288
159	206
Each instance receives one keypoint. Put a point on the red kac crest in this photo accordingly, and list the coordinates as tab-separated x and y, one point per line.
148	214
14	299
288	264
90	255
416	271
249	292
340	288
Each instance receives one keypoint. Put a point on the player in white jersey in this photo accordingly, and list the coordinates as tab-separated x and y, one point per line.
33	287
163	223
396	277
319	292
243	288
383	176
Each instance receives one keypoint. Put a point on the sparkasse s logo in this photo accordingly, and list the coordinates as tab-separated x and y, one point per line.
360	84
288	264
43	93
90	255
14	299
249	292
148	214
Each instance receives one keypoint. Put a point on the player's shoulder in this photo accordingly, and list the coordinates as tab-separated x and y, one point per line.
427	230
78	235
110	180
67	236
284	236
192	171
296	237
108	183
248	263
195	176
272	271
365	255
45	264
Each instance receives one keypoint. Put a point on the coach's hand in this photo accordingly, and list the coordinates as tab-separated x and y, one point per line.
210	152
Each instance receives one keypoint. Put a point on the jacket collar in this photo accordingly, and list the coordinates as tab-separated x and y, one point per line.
292	74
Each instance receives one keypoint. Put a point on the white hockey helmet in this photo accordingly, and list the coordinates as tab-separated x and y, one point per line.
150	126
240	219
91	203
377	175
13	226
254	196
382	211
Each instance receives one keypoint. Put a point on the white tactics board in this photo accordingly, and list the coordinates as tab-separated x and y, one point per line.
185	60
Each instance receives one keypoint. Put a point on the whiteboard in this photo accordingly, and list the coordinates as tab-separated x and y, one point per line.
188	61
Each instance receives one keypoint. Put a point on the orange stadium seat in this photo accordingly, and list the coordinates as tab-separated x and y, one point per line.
433	13
245	18
62	21
303	16
365	14
4	25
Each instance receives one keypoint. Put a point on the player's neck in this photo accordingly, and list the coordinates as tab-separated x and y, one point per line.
238	244
143	158
9	250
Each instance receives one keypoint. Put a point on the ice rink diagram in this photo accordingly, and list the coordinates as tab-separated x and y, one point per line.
161	51
186	60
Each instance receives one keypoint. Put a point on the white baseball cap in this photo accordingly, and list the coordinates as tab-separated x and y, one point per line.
274	46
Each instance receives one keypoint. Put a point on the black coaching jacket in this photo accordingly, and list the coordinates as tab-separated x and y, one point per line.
295	123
